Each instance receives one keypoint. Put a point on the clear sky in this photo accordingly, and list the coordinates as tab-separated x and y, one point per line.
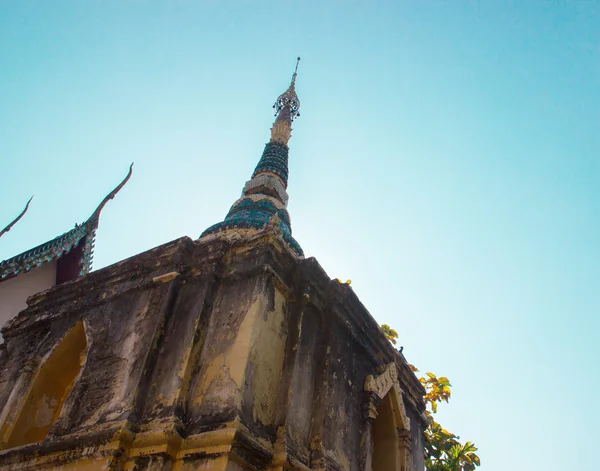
447	161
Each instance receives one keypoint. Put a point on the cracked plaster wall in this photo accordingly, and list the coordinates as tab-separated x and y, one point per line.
244	343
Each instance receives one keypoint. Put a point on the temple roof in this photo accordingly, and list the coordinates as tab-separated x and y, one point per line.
61	245
48	251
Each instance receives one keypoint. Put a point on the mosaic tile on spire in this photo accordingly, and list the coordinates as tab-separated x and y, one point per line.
274	159
249	214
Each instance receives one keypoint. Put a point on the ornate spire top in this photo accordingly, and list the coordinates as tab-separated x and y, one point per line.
286	109
288	104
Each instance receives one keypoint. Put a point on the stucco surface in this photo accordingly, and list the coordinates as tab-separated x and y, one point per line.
15	291
209	354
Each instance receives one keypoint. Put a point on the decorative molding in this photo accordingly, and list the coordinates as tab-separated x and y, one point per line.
380	386
268	180
370	409
386	387
256	197
281	132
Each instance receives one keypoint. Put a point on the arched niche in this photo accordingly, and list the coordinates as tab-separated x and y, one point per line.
388	427
49	390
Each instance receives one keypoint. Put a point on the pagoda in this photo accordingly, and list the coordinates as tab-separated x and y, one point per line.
230	352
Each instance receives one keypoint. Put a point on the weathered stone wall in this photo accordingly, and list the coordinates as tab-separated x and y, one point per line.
206	355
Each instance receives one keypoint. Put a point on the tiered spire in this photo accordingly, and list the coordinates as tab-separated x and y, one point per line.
264	197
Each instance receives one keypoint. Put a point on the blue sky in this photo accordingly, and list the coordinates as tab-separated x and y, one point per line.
447	161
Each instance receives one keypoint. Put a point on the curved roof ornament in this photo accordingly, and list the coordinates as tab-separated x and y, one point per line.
9	227
95	217
82	236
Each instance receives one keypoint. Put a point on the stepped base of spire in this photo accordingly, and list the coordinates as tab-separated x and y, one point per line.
256	212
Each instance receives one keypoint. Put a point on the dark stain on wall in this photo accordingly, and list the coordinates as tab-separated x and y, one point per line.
179	340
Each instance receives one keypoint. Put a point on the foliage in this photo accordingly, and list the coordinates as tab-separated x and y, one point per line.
438	389
443	450
348	282
390	333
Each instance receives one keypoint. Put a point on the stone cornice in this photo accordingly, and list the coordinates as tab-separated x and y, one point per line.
134	274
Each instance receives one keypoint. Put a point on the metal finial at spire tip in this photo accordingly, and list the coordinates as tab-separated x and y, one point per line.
295	71
293	83
289	100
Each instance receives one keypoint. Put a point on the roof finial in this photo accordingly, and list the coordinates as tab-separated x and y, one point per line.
95	217
9	227
295	73
288	104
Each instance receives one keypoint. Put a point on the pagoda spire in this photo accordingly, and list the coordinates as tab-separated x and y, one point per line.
264	197
271	173
287	109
